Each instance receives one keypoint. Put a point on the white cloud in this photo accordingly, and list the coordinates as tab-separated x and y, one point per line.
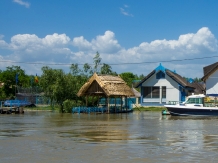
187	45
126	6
103	43
3	44
58	48
29	43
82	43
26	4
124	12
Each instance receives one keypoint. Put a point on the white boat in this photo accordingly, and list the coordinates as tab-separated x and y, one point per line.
194	105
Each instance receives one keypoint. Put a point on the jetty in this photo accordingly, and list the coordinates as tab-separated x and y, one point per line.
11	110
13	106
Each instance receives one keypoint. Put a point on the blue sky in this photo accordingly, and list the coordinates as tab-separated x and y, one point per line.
124	31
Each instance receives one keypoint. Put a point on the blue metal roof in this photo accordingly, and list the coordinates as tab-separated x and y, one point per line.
160	68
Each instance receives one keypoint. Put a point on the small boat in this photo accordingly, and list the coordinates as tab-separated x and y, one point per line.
194	106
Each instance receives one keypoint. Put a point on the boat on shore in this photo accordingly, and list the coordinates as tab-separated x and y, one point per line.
194	106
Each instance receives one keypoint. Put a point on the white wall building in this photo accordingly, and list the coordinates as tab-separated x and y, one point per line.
162	86
210	79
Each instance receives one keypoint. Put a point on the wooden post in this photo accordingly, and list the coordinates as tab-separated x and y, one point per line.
121	104
115	104
108	105
86	101
126	103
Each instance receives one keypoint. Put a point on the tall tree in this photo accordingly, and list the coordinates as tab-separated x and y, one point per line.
97	61
106	69
87	70
47	82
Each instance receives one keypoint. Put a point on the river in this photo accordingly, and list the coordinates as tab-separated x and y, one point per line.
45	137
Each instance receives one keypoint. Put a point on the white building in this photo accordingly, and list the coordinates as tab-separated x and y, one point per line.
210	79
163	86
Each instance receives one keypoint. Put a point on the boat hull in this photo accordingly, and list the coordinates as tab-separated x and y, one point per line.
189	111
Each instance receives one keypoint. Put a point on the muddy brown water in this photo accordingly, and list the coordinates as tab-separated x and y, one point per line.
48	137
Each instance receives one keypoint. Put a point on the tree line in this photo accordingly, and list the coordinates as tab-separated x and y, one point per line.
59	86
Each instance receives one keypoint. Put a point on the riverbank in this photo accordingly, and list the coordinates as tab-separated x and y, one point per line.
149	108
49	108
41	108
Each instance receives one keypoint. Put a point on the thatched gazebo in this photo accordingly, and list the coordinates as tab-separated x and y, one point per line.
106	86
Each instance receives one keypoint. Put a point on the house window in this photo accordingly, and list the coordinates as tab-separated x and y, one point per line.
151	92
155	92
164	90
160	75
147	92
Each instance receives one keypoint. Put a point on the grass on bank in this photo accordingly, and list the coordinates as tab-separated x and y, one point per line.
56	108
149	108
42	108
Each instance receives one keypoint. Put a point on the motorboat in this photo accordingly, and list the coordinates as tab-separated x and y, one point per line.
195	105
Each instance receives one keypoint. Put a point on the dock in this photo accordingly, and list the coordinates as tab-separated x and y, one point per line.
11	110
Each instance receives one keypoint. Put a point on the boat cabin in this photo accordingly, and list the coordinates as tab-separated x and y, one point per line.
195	100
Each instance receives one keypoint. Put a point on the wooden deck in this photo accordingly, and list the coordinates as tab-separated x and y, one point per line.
11	110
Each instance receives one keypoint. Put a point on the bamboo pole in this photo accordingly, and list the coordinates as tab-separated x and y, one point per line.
121	104
108	105
115	104
126	103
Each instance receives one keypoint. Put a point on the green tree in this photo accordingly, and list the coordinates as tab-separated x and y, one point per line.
106	69
97	61
74	69
8	77
141	76
47	82
59	86
128	77
87	70
63	88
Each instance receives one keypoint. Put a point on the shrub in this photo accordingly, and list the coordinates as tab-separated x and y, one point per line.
68	105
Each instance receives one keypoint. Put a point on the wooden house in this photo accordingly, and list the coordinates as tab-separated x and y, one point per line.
163	86
107	86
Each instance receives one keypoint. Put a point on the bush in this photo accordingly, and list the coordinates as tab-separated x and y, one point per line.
68	105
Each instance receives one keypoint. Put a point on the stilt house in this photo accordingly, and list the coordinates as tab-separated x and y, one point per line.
107	86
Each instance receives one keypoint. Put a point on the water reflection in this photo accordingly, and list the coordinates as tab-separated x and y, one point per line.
134	137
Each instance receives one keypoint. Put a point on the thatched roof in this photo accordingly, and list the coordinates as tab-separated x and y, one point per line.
199	87
179	79
136	93
208	70
105	85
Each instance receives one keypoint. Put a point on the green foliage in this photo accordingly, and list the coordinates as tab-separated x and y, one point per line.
195	79
60	86
141	76
2	94
74	69
68	105
8	77
149	109
97	61
107	69
129	77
